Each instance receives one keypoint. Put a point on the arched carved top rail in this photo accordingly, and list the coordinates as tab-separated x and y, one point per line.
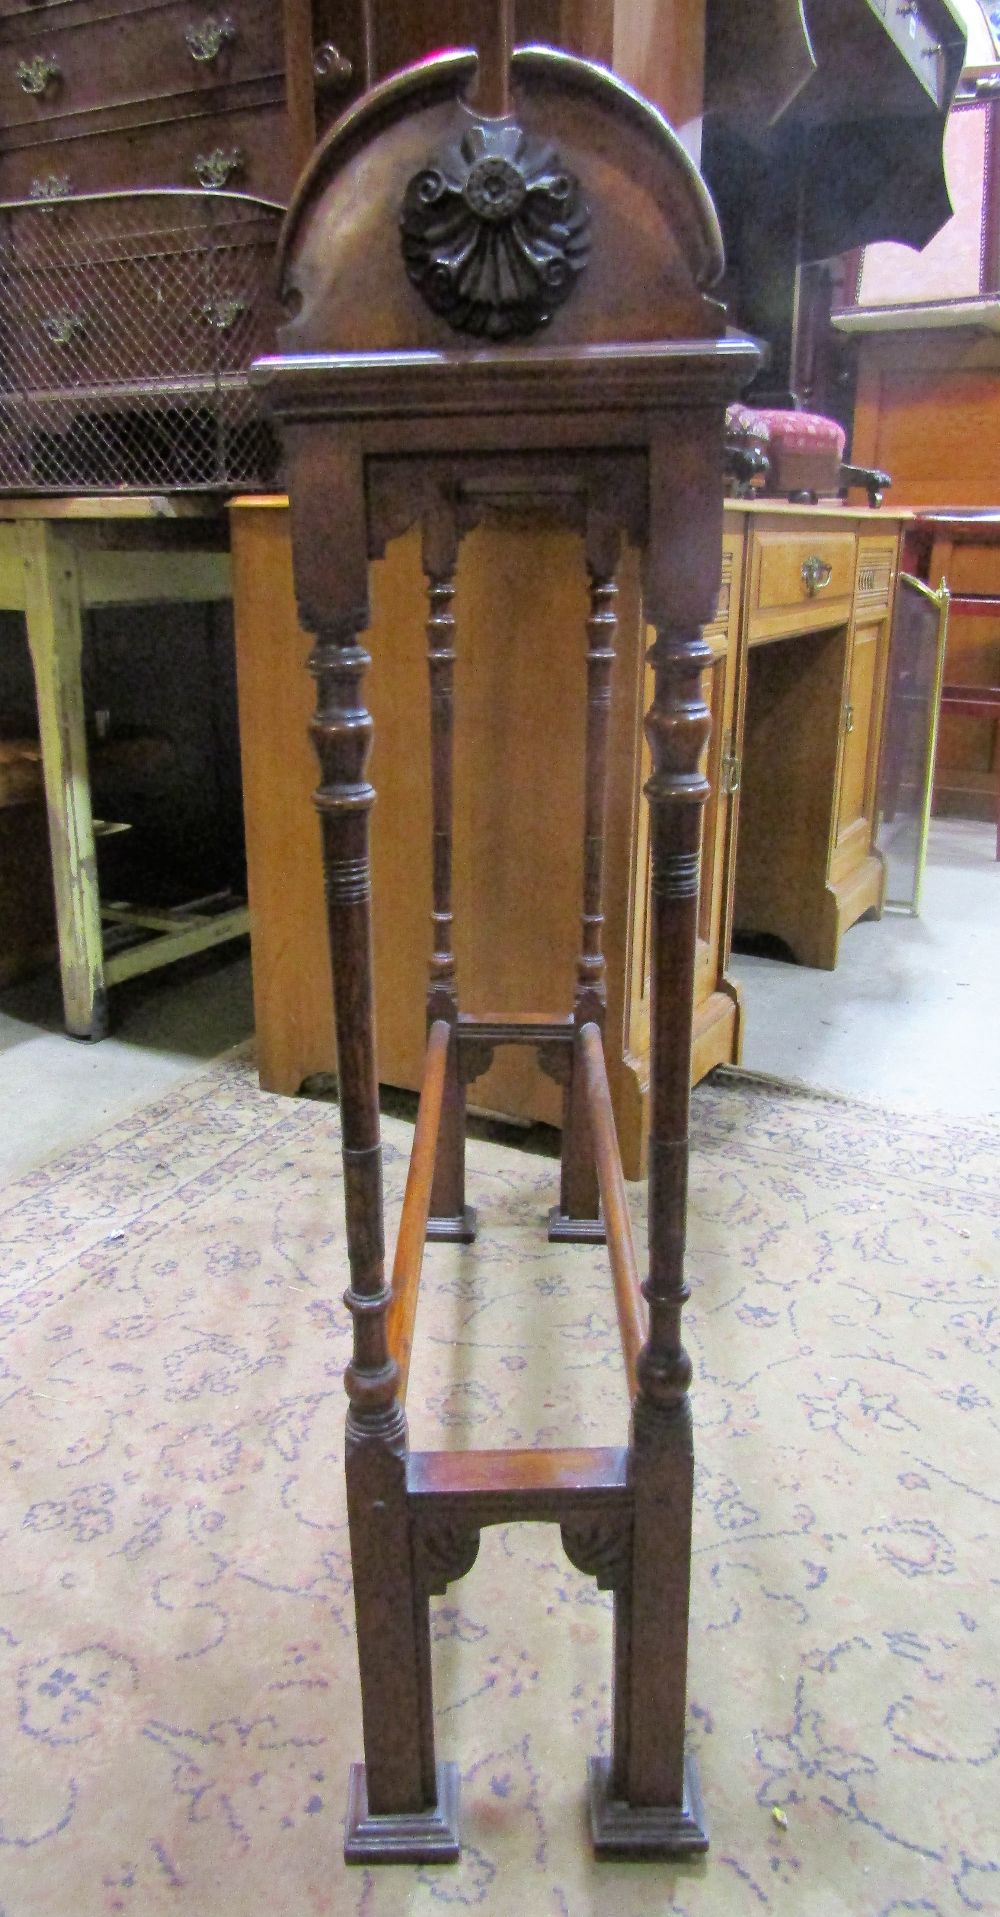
582	181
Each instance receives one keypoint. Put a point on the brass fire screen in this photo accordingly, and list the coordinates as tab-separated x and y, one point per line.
127	324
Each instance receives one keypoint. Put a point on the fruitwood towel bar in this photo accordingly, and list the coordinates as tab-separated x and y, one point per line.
427	245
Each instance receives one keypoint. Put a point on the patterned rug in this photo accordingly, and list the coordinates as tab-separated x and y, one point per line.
178	1689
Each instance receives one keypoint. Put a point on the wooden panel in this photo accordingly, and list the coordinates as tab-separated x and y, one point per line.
515	936
875	576
928	410
853	814
291	967
791	745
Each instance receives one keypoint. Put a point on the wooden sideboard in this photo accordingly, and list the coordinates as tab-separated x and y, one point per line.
795	688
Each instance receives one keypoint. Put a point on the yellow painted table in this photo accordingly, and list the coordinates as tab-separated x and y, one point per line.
58	559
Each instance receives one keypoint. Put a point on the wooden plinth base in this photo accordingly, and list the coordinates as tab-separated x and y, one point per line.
626	1830
459	1230
404	1837
575	1231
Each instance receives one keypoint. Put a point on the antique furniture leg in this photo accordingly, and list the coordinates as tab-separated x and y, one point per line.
400	1806
577	1216
55	636
450	1217
646	1798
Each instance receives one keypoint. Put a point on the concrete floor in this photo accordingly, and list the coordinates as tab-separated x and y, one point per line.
57	1091
909	1018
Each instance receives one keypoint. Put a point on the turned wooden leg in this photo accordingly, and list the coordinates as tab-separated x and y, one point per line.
396	1808
577	1215
450	1218
646	1798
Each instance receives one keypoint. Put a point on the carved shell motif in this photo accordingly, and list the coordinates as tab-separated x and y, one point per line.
495	232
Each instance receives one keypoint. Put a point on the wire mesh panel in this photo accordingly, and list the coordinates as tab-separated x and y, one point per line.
127	324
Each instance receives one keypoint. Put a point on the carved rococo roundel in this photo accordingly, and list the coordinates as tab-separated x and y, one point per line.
495	232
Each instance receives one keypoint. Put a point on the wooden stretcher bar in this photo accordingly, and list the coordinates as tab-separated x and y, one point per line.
614	1202
412	1233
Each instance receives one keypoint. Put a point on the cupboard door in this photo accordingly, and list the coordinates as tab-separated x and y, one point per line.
858	767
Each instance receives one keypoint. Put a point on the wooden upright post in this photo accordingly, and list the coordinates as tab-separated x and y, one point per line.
450	1218
648	1787
398	1780
576	1217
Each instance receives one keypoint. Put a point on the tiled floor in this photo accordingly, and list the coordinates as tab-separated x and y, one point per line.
909	1018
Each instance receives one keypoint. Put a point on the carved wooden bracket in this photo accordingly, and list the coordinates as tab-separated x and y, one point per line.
444	1550
601	1547
555	1059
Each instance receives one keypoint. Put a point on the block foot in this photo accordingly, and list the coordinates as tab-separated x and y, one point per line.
458	1230
403	1837
645	1830
564	1230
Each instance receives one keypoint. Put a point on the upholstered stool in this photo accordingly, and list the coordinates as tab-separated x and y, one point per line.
492	311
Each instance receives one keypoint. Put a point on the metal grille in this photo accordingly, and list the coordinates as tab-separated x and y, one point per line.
127	324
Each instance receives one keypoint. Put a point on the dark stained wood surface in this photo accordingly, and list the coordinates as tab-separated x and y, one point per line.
613	425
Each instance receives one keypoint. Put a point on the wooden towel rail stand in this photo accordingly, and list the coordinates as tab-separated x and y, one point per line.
428	245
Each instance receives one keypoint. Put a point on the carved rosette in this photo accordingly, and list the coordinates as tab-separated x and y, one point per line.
495	232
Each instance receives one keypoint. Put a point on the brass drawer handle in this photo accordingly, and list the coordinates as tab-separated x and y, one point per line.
212	170
205	43
816	573
931	53
62	328
331	67
49	186
848	718
222	314
37	74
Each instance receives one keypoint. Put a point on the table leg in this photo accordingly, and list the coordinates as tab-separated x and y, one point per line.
55	637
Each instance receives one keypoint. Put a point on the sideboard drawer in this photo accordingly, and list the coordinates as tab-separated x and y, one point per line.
57	62
799	580
245	151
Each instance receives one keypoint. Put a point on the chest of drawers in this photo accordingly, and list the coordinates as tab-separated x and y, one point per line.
126	326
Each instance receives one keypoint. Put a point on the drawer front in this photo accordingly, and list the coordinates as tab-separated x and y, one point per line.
246	151
69	333
54	65
800	580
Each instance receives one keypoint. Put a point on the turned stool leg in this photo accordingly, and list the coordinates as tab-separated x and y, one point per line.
449	1218
577	1216
647	1799
396	1806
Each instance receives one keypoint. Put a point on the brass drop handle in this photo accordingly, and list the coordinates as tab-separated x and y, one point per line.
63	327
205	43
816	573
848	717
331	68
212	170
222	314
37	74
